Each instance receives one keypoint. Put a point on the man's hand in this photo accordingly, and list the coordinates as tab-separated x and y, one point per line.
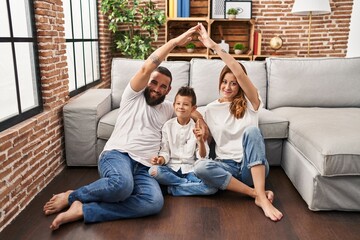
186	36
159	160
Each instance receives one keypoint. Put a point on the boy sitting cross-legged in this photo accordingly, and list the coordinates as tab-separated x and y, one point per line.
182	143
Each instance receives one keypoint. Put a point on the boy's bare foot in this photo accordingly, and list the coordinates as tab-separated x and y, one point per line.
57	203
269	210
74	213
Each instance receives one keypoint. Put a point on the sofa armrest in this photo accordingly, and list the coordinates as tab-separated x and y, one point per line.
81	117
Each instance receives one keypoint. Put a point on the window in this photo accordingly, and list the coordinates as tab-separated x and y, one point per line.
20	93
82	44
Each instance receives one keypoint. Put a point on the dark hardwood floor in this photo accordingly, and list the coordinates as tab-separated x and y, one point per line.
225	215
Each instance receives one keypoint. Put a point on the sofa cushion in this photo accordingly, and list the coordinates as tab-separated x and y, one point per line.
204	78
313	82
327	137
272	125
123	69
106	124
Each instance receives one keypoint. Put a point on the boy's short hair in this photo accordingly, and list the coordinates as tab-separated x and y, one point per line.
186	91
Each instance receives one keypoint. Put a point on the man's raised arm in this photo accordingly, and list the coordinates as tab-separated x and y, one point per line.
141	78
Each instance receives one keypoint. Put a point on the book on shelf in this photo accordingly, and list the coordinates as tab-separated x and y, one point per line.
257	43
179	8
185	8
171	8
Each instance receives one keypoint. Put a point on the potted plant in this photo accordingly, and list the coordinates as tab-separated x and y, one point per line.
190	47
135	25
232	12
239	48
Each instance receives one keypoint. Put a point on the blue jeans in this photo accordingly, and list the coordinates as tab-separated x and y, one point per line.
180	184
217	173
124	190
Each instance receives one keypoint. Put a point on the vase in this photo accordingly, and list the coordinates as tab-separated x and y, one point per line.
231	16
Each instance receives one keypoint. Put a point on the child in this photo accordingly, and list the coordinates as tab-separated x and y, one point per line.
182	142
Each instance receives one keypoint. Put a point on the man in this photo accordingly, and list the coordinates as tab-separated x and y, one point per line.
125	189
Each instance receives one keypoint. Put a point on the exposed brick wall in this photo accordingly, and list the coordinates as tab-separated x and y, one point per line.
32	153
106	55
329	33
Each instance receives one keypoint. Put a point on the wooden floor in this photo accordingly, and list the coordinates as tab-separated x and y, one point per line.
225	215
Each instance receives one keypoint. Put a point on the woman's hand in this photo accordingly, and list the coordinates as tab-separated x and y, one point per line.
204	37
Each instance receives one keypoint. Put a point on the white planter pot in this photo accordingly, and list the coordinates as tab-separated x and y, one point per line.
237	51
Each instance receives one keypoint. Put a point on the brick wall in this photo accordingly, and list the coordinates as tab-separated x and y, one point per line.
32	153
329	33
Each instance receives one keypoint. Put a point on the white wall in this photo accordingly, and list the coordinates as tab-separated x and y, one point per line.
354	35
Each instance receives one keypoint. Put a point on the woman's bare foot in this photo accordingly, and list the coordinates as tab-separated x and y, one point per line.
74	213
57	203
270	196
269	210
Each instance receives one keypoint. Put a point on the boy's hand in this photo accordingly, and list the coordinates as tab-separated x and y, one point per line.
157	160
198	131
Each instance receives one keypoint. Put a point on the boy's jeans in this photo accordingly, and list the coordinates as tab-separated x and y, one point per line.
217	173
124	190
180	184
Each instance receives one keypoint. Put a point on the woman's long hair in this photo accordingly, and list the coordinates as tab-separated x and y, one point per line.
238	104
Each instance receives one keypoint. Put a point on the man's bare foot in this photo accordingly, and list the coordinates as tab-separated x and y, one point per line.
57	203
74	213
269	210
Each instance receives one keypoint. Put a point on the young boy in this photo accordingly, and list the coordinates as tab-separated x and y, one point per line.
182	143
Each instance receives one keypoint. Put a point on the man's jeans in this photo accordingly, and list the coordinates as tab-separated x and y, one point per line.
124	190
180	184
217	173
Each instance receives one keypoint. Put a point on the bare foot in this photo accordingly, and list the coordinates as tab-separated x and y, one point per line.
74	213
269	196
57	203
269	210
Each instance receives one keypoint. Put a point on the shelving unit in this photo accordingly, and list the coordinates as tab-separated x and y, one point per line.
232	31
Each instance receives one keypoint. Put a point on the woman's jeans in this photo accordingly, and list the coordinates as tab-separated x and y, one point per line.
125	190
180	184
217	173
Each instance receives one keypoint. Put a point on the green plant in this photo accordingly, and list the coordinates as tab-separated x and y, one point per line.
135	25
190	45
232	11
239	46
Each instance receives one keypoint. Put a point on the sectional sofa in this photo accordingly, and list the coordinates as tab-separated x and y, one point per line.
310	120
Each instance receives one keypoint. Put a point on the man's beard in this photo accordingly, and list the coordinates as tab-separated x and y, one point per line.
150	101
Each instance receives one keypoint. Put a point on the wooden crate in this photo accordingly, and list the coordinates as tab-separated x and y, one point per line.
233	32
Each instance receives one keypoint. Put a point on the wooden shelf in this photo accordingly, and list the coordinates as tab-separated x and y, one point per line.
232	31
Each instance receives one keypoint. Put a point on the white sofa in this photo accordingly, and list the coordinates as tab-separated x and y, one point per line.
310	123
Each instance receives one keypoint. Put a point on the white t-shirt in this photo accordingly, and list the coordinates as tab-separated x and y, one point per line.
138	126
179	144
226	130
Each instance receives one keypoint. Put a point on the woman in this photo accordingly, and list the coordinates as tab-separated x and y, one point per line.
233	123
